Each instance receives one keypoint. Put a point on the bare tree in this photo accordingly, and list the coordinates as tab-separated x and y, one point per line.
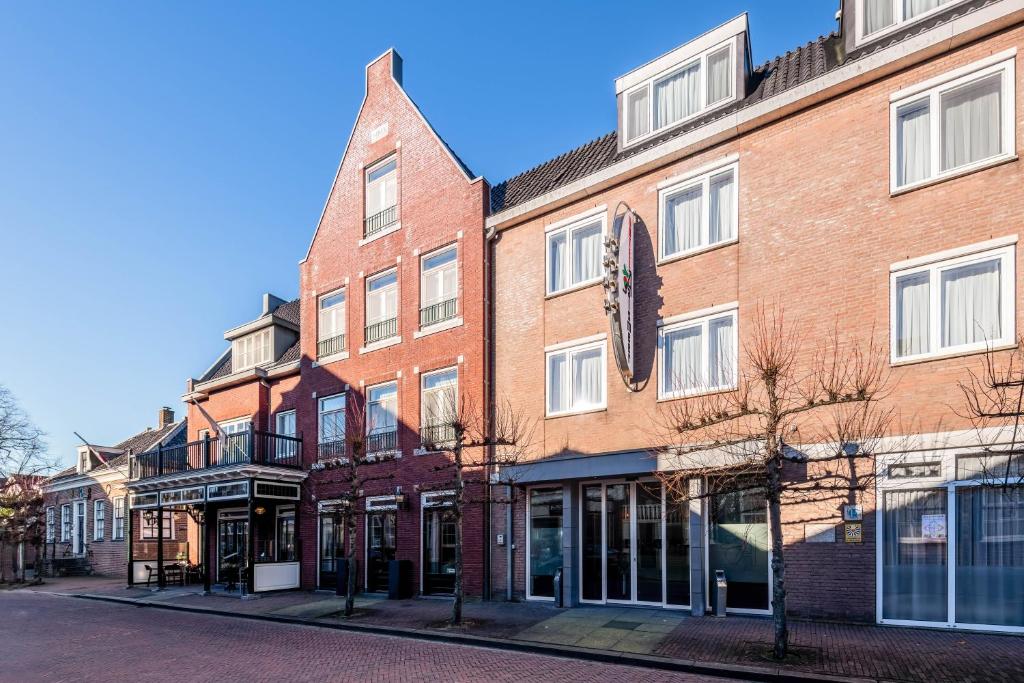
993	402
477	444
349	462
815	413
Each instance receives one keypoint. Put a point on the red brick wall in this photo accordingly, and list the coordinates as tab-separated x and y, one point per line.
818	231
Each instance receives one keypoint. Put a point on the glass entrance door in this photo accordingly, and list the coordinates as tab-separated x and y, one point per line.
380	550
79	537
332	549
438	551
232	536
623	553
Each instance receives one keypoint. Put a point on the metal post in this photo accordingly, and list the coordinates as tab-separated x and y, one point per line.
250	550
206	451
160	459
161	581
252	442
130	538
204	534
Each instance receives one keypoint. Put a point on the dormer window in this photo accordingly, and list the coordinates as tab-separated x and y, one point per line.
84	462
252	350
878	17
681	93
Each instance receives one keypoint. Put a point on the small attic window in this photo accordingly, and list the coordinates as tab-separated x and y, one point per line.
252	350
880	17
683	92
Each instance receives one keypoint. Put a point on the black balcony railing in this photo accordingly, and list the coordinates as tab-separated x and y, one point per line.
433	436
380	221
385	329
439	312
251	446
381	442
329	347
331	450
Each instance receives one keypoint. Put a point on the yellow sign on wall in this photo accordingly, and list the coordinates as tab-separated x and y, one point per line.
853	532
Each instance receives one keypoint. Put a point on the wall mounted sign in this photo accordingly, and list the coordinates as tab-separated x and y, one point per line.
820	533
933	527
619	286
853	513
854	532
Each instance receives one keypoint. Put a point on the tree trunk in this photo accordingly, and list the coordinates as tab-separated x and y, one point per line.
781	628
457	602
350	562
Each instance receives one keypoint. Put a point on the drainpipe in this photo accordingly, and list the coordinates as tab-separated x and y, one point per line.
488	255
509	571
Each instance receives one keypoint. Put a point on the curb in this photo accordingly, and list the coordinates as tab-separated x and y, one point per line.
748	673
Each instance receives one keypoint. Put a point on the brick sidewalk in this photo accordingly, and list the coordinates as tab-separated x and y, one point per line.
822	648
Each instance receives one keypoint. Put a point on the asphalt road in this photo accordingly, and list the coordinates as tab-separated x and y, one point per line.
55	638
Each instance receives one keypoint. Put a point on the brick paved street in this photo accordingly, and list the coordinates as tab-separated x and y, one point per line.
52	638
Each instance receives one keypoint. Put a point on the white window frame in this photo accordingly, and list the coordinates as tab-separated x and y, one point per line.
569	349
423	391
935	265
649	83
65	523
703	319
424	272
372	168
568	227
99	519
249	348
51	524
898	19
373	278
932	90
117	529
149	532
320	416
370	430
702	177
320	313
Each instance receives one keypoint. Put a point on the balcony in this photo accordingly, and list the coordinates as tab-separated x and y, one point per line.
243	448
379	331
380	221
381	442
439	312
433	436
331	450
331	346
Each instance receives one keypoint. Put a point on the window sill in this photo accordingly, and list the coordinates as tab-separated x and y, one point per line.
944	355
442	448
697	252
958	173
383	456
334	357
383	344
588	411
574	288
665	398
383	233
437	327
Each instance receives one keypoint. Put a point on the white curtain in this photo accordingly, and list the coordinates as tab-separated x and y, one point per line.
970	304
878	14
912	8
912	315
556	382
970	123
682	363
914	144
721	352
677	96
914	581
556	262
719	76
721	209
637	121
587	385
683	220
586	253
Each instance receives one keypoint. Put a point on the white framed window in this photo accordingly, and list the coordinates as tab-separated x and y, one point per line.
148	531
331	323
574	252
285	425
439	393
877	18
117	531
331	426
99	519
698	211
252	350
381	196
65	523
681	93
439	286
382	306
51	525
953	124
951	305
577	378
382	408
697	354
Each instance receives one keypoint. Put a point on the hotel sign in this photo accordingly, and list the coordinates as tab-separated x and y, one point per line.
619	286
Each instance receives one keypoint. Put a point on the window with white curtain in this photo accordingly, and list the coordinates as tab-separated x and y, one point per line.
117	532
99	519
382	297
956	123
879	17
574	254
954	305
576	378
331	322
381	187
439	283
681	93
438	398
697	355
698	212
252	350
382	408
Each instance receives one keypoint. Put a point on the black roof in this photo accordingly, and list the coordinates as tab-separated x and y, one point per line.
290	312
775	76
137	443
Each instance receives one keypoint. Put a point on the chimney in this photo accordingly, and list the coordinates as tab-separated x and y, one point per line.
270	303
164	417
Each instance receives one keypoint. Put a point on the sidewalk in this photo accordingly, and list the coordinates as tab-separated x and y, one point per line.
655	636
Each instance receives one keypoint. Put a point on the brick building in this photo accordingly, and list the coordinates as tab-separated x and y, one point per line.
86	519
869	177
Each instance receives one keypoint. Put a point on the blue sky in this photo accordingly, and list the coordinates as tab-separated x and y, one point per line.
164	164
